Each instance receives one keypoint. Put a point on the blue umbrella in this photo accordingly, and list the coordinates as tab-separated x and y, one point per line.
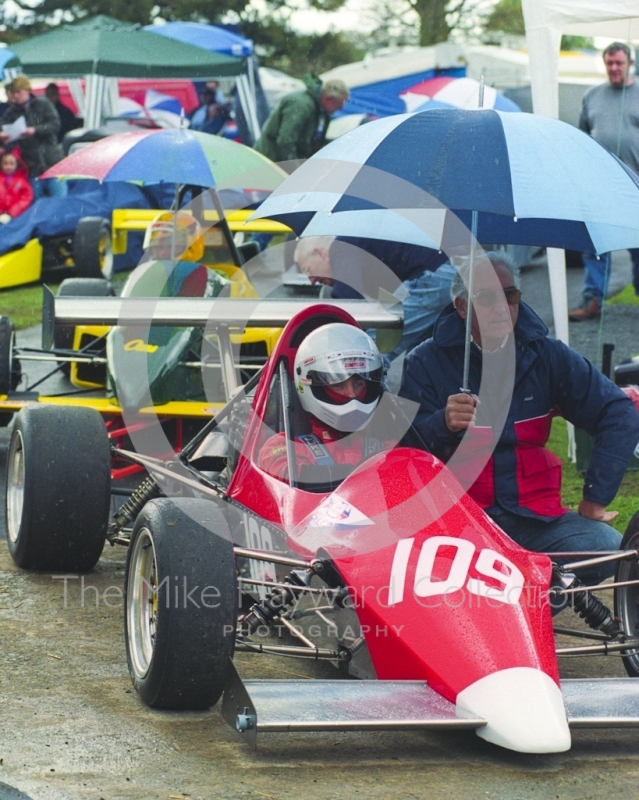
525	179
208	37
8	60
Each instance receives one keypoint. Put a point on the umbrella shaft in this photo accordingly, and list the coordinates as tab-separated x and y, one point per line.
469	313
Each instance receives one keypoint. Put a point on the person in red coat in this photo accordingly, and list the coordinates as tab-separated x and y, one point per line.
16	194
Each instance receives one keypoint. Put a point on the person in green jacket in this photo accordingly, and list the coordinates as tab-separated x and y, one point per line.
297	127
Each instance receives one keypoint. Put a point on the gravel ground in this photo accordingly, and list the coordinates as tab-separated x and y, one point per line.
618	324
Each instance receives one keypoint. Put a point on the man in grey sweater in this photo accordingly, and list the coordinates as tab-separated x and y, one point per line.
610	114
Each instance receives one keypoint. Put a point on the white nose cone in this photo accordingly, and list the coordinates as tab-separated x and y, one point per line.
523	708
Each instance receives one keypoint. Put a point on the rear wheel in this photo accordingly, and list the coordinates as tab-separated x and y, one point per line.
181	604
627	597
92	250
9	366
58	488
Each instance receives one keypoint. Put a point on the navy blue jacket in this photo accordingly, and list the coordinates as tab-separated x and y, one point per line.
356	267
520	475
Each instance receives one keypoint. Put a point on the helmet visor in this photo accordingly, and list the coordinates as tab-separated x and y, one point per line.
342	365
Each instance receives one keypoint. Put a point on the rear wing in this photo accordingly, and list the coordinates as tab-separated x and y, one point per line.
212	312
219	315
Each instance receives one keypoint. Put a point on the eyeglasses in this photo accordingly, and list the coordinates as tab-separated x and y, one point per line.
488	297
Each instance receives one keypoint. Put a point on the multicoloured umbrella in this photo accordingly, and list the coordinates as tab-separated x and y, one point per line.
175	156
448	92
527	179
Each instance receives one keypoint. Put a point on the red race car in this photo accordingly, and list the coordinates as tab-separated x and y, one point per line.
390	571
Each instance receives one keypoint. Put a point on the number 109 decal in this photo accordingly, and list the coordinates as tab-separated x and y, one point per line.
489	564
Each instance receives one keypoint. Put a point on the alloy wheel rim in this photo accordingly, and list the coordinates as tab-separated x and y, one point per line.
142	603
629	611
15	486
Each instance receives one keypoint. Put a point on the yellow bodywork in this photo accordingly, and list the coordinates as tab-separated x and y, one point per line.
25	265
21	266
109	406
128	219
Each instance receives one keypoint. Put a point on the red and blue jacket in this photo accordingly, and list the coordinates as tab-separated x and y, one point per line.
504	463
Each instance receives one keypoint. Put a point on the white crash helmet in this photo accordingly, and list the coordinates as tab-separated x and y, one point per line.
332	354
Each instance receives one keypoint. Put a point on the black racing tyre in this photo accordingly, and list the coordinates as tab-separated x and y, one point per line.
627	597
92	249
10	373
77	287
180	604
58	488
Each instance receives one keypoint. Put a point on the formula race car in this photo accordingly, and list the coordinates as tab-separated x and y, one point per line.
103	364
389	571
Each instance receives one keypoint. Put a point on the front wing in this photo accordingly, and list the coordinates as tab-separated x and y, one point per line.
278	706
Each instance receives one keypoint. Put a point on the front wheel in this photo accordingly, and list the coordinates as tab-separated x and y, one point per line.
181	604
58	488
627	597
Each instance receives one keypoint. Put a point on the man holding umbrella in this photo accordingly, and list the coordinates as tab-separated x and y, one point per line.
493	436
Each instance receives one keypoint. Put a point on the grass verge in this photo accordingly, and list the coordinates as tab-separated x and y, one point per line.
627	500
626	297
23	304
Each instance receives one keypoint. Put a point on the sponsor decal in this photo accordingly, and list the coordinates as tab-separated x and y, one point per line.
354	363
348	354
335	512
140	346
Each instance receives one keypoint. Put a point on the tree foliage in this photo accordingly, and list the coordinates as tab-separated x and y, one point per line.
280	47
507	16
277	44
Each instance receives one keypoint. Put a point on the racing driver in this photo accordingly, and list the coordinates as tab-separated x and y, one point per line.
338	379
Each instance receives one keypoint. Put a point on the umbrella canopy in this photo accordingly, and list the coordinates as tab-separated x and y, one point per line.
448	92
529	180
165	110
175	156
8	59
209	37
102	46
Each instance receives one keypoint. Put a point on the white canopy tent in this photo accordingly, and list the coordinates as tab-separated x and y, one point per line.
546	21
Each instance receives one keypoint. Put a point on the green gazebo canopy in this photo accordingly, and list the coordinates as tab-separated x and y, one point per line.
105	46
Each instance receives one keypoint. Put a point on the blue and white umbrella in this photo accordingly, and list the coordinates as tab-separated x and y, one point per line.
527	179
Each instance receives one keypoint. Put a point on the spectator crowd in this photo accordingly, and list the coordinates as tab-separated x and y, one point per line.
31	129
